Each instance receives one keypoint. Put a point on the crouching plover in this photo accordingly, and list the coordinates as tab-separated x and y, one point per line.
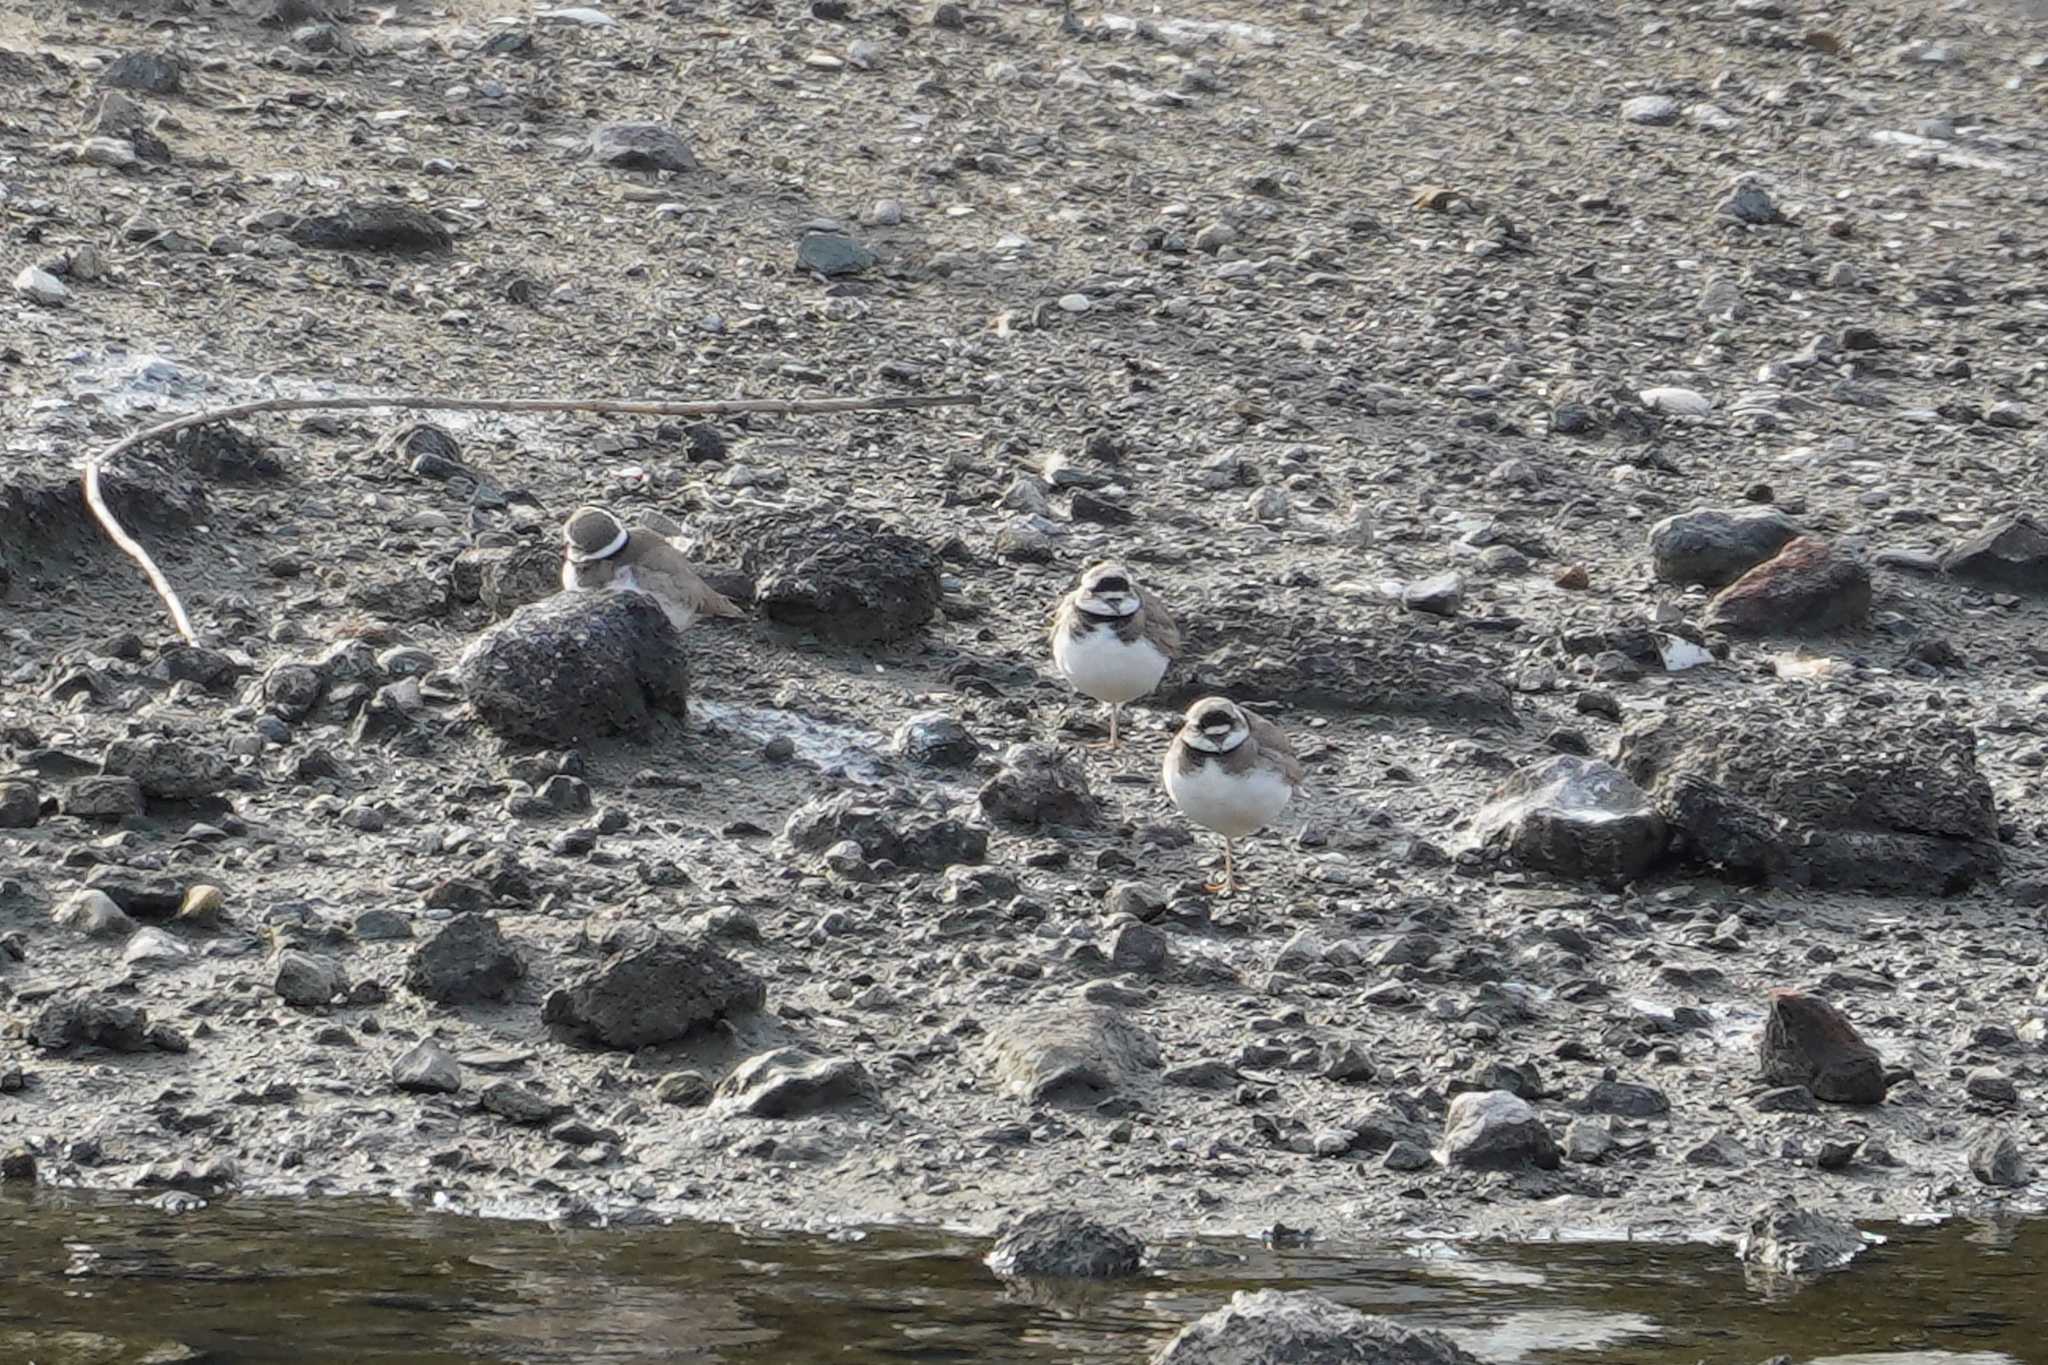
1231	772
600	551
1112	639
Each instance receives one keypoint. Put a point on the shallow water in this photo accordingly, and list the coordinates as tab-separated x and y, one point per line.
107	1280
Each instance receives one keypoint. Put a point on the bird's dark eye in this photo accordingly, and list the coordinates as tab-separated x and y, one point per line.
1112	584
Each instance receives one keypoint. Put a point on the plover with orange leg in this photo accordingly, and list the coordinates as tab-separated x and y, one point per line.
1229	771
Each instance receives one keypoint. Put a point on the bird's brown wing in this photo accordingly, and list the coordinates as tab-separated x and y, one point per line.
1275	749
1160	631
684	582
658	523
1056	620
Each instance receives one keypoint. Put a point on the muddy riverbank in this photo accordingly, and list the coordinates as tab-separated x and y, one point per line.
1376	347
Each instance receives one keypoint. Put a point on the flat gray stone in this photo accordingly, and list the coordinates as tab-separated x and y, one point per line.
1716	546
1274	1327
788	1083
641	147
1653	110
833	254
1069	1053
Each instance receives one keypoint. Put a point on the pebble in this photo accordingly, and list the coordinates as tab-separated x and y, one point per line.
1676	401
1440	595
154	947
94	914
39	286
1748	202
428	1068
1654	110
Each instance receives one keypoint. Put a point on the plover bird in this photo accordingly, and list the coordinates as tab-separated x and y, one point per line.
1112	639
1231	772
600	551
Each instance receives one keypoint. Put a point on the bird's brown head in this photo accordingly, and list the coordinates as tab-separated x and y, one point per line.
593	533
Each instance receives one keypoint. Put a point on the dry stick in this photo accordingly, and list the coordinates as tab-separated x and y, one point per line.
433	403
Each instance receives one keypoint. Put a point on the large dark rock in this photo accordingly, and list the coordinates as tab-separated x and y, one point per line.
846	580
224	453
292	688
1865	801
652	988
1784	1239
394	229
889	826
102	798
1069	1054
1577	817
1039	784
21	805
209	668
91	1021
152	73
1492	1130
1714	546
468	961
2010	553
167	769
1064	1243
139	891
1805	588
510	579
788	1083
577	667
1806	1041
1308	662
44	517
1275	1327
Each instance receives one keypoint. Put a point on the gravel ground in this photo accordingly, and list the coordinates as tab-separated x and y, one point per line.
1375	344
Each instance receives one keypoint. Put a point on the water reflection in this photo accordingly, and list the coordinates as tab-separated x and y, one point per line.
103	1280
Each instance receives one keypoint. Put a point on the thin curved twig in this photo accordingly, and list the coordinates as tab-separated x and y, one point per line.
104	515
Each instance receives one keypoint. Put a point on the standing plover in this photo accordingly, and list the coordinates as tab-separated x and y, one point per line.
1229	771
600	551
1112	639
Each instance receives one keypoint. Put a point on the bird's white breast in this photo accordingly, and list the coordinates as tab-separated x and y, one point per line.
1232	804
1103	667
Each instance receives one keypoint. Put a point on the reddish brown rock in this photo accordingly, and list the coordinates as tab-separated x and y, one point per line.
1806	1041
1805	587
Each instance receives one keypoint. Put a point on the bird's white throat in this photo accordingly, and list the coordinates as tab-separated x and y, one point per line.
1109	604
1209	744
